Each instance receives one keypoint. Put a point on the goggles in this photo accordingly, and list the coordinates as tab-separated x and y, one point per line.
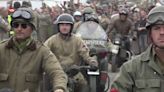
23	14
17	24
91	16
155	18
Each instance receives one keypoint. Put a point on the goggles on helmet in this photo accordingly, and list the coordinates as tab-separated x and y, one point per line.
90	16
23	14
156	17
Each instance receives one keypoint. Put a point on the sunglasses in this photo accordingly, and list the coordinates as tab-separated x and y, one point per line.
23	14
17	24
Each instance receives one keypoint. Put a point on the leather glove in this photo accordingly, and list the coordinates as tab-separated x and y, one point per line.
94	65
73	70
59	90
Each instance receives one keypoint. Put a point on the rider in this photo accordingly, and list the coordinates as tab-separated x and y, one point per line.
90	15
144	73
87	15
123	26
23	59
69	48
77	16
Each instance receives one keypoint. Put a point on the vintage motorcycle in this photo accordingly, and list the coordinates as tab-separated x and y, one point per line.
96	39
120	52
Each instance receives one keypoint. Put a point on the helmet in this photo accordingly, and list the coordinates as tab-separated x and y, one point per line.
123	12
26	4
25	15
77	13
155	16
65	18
88	10
17	5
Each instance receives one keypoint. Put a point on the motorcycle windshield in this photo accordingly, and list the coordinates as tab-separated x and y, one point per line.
91	31
92	34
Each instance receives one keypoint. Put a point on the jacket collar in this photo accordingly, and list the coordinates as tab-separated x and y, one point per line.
10	45
65	37
149	55
145	56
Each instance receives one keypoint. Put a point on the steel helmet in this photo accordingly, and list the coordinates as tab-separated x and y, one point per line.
88	10
26	15
123	12
77	13
65	18
155	16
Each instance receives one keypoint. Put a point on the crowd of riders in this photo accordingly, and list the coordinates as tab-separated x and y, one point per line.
105	14
24	59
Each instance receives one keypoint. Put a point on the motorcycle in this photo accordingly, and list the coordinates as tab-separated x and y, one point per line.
120	52
92	76
96	39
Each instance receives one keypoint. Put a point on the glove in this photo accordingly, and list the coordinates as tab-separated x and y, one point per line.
73	70
93	65
59	90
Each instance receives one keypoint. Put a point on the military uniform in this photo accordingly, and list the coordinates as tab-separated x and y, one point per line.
22	67
141	74
104	22
76	26
68	51
45	27
121	27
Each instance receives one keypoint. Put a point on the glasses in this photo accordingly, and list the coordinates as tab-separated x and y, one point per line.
17	24
23	14
153	18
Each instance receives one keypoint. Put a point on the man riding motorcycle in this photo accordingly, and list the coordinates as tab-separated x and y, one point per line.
78	17
69	48
86	14
123	26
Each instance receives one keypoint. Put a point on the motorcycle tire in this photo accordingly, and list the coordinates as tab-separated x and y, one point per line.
114	63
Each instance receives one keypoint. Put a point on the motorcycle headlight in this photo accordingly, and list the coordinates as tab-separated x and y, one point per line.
117	42
114	49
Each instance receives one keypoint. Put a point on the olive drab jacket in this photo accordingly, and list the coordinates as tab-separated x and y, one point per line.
76	26
141	74
23	71
45	27
69	51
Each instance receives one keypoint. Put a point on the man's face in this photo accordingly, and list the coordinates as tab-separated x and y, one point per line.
143	14
65	28
123	17
22	30
157	35
77	18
